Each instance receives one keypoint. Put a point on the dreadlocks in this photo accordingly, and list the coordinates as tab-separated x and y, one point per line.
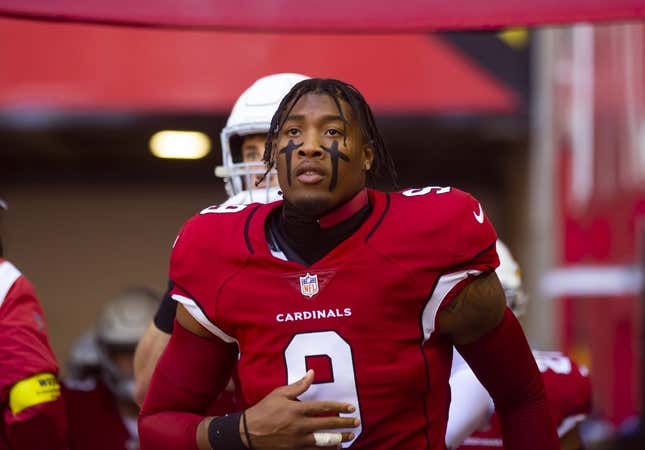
336	89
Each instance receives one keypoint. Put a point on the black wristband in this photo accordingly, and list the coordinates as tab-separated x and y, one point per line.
224	433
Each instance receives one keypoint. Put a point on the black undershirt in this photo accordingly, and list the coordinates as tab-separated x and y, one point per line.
301	238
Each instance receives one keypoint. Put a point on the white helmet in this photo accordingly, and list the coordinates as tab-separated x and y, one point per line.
252	114
121	323
510	277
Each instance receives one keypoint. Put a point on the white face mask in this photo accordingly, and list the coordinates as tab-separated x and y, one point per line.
263	195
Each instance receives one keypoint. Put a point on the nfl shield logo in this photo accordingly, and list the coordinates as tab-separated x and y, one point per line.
309	285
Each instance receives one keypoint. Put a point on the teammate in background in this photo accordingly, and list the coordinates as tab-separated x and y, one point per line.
100	406
567	386
242	142
83	360
345	303
33	414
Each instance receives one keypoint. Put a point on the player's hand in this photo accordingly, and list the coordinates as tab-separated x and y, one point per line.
281	421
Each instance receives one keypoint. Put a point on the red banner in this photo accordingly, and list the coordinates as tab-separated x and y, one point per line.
72	66
330	16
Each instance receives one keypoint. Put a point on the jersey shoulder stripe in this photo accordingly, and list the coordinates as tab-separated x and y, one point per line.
8	276
196	312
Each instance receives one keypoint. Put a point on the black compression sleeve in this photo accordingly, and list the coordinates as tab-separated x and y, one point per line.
165	316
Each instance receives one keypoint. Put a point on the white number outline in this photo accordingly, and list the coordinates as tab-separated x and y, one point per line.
222	209
315	344
553	361
426	190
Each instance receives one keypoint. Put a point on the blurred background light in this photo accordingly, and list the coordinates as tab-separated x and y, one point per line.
172	144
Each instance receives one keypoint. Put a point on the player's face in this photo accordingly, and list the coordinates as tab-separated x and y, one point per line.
253	147
124	361
321	157
252	152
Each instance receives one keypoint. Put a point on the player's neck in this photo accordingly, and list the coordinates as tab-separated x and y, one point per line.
312	237
294	217
344	211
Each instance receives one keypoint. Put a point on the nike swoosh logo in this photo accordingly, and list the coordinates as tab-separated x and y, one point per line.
479	217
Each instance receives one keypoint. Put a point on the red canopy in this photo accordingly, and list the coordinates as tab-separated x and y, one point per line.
329	16
97	67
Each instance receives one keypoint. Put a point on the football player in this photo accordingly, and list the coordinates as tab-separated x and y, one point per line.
345	303
33	414
242	142
471	408
83	360
100	406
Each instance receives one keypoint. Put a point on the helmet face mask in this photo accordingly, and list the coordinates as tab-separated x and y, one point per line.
251	115
119	381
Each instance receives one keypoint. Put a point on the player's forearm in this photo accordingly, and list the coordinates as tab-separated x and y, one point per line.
191	372
503	362
168	418
169	431
532	415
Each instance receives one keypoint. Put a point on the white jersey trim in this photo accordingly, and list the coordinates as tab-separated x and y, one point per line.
193	308
569	423
445	284
8	276
483	442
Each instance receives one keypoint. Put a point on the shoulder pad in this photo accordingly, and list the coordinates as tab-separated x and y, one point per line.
441	227
209	248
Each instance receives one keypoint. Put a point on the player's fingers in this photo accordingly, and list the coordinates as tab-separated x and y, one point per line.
293	390
326	439
314	424
318	408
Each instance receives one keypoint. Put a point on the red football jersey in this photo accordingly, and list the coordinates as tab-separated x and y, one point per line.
568	391
224	404
93	418
363	316
24	347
